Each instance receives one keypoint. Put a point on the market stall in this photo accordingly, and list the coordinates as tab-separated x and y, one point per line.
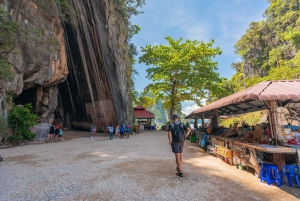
248	146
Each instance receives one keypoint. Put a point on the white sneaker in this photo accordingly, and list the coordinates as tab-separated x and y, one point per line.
91	137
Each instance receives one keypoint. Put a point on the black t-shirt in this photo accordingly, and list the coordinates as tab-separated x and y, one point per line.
172	128
51	130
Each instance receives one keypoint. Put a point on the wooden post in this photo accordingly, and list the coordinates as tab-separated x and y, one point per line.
278	160
202	120
150	124
273	119
196	122
215	120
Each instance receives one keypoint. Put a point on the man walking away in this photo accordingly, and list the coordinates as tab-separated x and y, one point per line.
111	132
176	137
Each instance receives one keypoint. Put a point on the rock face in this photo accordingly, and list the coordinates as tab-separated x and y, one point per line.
40	60
75	71
97	89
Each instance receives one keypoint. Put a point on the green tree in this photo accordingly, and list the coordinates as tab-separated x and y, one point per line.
181	71
21	119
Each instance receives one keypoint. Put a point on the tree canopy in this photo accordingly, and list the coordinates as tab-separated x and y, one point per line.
181	71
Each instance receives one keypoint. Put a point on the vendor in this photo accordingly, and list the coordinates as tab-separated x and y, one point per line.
268	132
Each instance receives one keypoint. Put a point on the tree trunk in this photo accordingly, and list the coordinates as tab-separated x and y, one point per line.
172	100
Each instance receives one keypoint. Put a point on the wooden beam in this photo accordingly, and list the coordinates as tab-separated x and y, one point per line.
226	108
202	119
283	104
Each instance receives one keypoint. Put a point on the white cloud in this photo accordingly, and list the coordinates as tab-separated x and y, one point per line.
188	110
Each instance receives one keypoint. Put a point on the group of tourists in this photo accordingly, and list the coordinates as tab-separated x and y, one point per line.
54	130
119	131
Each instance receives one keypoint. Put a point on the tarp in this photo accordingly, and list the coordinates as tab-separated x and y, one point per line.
286	92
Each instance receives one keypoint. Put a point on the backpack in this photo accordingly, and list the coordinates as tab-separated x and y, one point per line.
122	129
127	126
52	129
177	132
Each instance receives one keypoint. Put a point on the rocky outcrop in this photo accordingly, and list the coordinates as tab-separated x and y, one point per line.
97	89
75	70
39	61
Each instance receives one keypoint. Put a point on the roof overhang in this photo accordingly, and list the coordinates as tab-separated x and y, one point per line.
286	93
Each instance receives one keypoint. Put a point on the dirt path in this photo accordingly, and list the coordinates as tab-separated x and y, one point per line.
139	168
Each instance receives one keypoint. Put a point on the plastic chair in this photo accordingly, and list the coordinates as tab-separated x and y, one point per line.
291	171
270	174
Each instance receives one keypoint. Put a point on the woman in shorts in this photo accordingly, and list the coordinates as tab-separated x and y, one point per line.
51	133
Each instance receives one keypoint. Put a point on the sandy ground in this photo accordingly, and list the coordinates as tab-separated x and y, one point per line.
139	168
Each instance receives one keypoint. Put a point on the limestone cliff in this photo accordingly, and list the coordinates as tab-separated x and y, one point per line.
39	60
75	70
97	89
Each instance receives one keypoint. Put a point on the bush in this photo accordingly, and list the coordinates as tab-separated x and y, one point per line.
3	127
21	119
15	138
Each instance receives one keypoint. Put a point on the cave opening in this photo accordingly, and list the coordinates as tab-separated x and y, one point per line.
27	96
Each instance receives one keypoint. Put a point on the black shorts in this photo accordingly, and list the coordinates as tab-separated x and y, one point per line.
177	147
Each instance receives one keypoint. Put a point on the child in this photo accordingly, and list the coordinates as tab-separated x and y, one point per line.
127	129
60	134
56	132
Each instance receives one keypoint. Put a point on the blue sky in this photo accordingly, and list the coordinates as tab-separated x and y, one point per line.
225	21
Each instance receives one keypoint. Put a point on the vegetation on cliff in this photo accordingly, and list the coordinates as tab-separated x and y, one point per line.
8	40
269	49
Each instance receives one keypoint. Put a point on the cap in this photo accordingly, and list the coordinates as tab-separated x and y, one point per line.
175	116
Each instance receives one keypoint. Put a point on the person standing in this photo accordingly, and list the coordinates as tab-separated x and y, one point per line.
60	134
127	130
92	130
95	130
117	132
56	132
176	137
111	132
122	130
51	133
